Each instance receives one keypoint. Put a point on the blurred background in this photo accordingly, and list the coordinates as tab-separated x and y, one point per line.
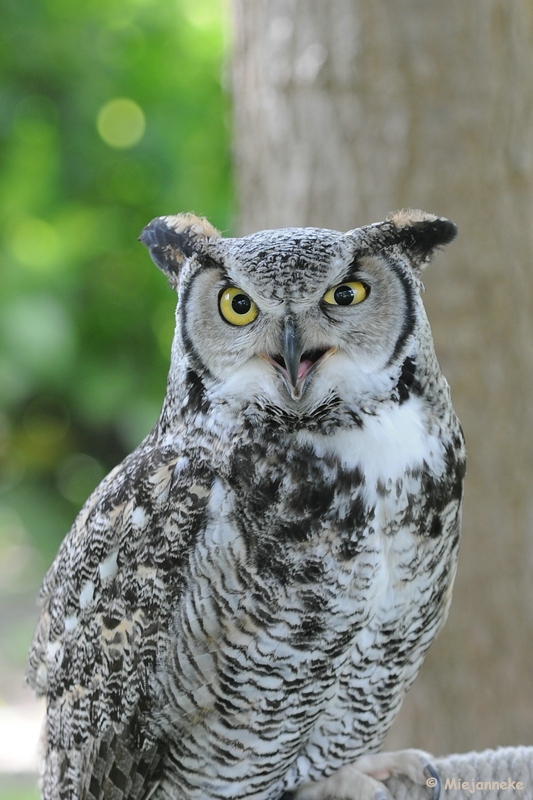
112	112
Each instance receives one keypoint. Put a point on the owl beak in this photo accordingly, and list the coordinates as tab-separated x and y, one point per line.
294	365
292	351
299	365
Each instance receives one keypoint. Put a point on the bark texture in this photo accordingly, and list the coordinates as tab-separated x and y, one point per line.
345	111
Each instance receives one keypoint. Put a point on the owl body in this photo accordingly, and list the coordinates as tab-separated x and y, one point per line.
242	605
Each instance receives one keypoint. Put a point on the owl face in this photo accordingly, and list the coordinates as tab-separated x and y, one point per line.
292	315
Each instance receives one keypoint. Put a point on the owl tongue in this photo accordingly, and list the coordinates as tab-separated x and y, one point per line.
304	367
308	360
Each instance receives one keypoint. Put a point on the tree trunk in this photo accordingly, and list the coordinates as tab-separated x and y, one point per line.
345	111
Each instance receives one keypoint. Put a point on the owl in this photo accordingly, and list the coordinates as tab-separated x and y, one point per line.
242	604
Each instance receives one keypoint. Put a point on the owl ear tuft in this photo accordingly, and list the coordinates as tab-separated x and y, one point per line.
173	239
420	234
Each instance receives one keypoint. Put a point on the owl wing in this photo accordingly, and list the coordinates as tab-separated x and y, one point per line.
107	601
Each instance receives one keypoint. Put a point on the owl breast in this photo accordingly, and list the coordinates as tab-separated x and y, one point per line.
301	628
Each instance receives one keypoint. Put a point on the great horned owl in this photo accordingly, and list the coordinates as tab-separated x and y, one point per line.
242	604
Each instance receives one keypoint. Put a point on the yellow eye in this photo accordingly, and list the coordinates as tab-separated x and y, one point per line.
346	294
236	307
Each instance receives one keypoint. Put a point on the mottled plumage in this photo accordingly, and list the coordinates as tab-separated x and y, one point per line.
242	604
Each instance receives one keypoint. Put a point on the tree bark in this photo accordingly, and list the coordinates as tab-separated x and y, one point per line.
345	111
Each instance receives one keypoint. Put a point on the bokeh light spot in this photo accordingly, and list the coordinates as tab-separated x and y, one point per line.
36	244
121	123
202	14
39	335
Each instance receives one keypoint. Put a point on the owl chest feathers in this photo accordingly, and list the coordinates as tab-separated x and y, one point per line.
310	537
314	550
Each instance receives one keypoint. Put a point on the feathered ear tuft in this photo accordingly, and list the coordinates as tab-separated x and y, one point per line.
420	234
172	239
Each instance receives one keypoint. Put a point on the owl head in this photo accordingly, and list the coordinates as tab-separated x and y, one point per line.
293	316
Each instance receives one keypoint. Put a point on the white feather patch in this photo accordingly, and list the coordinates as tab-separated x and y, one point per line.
386	446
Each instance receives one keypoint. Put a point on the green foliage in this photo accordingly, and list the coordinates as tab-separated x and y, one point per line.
23	788
111	112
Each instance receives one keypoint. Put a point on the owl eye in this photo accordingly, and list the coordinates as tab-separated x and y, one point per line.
236	307
346	294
